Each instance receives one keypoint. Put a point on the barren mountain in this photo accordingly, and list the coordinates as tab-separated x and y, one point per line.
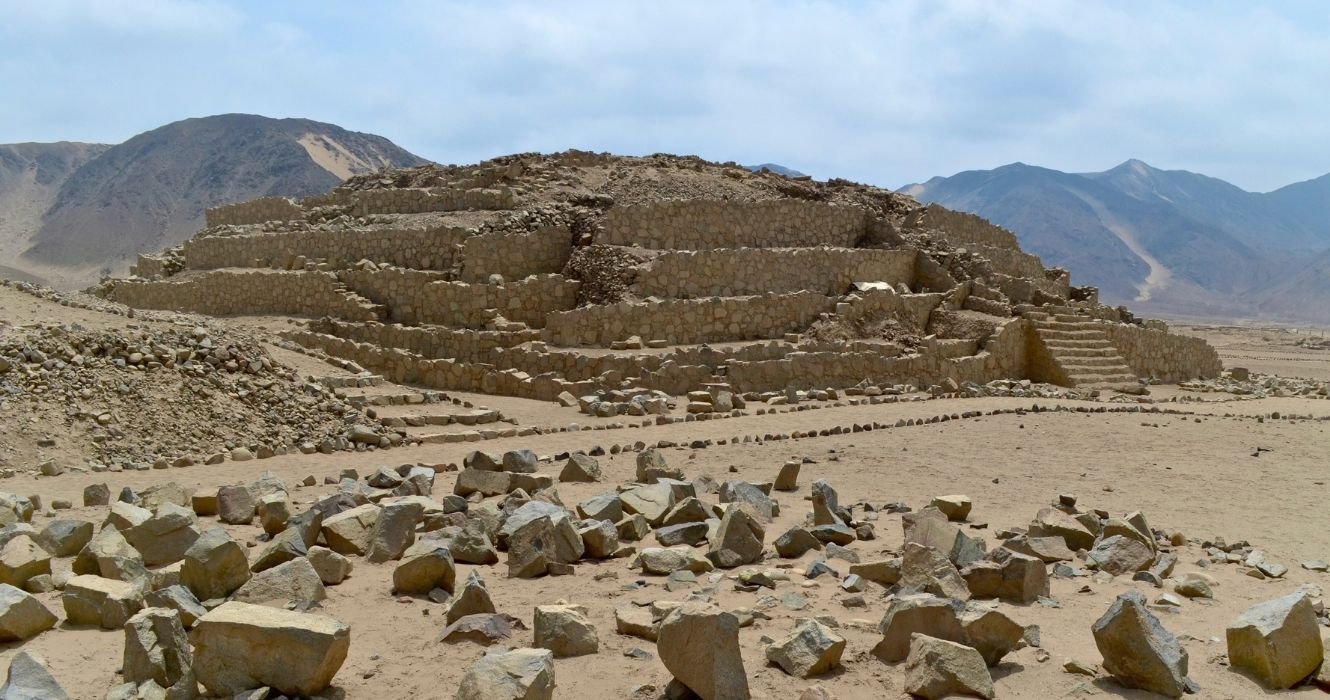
31	175
1167	241
151	191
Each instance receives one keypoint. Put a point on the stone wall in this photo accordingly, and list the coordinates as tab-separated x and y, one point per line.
1166	357
1016	263
431	342
744	271
708	224
425	249
688	321
412	201
224	293
961	229
149	267
423	297
1002	356
254	212
911	310
516	255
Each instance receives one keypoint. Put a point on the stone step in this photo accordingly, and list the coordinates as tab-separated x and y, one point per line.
1064	343
1094	334
475	417
1067	326
1083	351
1071	364
1088	378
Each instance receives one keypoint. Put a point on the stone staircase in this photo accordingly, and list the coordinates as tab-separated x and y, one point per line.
1080	352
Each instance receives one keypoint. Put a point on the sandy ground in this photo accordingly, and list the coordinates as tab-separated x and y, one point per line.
1194	472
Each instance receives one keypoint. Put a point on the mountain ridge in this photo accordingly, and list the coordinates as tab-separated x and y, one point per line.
1168	241
151	191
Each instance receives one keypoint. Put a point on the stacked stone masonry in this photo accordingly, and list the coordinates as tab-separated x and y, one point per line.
746	271
422	297
227	293
688	321
515	255
709	224
425	249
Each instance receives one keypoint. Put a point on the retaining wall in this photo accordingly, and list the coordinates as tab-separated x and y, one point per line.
421	297
961	229
745	271
227	293
708	224
1164	356
255	211
515	255
688	321
424	249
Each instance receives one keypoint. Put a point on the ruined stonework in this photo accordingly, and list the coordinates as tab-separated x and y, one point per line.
536	275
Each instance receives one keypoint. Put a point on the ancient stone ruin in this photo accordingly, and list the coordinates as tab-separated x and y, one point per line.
585	275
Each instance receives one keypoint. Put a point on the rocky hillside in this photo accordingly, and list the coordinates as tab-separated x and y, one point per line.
1167	241
88	208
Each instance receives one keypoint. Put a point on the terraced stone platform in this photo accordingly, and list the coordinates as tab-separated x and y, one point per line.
582	274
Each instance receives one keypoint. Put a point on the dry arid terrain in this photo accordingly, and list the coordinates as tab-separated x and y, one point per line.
590	426
1189	466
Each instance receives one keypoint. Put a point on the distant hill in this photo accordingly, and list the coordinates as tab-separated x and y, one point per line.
1167	241
90	207
778	169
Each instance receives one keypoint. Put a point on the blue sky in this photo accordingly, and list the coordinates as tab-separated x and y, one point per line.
880	92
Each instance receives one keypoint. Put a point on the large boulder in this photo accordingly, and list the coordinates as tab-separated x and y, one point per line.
1009	576
109	555
1138	651
65	538
652	502
651	466
285	546
1118	555
991	633
332	567
394	531
937	668
921	613
1051	522
926	570
165	537
565	630
520	674
349	532
931	528
93	600
700	647
826	504
157	650
30	679
14	509
235	505
548	539
1277	641
738	541
240	647
22	616
214	566
179	599
663	562
295	581
21	559
810	650
581	468
427	565
472	599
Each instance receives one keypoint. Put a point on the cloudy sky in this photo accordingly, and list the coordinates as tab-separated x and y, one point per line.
880	92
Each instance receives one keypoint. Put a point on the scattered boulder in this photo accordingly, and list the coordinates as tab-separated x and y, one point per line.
796	542
472	599
331	567
738	541
991	633
65	538
520	674
394	531
547	539
1277	641
93	600
1006	575
938	668
788	477
349	532
663	562
425	566
22	616
564	630
1119	555
287	545
21	559
651	466
826	504
520	462
484	629
931	528
214	566
157	650
1051	522
240	647
165	537
30	679
235	505
925	570
294	581
1138	651
810	650
700	647
580	468
921	613
179	599
956	507
652	502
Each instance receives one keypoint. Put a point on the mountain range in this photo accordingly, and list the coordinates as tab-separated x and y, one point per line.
70	212
1169	242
